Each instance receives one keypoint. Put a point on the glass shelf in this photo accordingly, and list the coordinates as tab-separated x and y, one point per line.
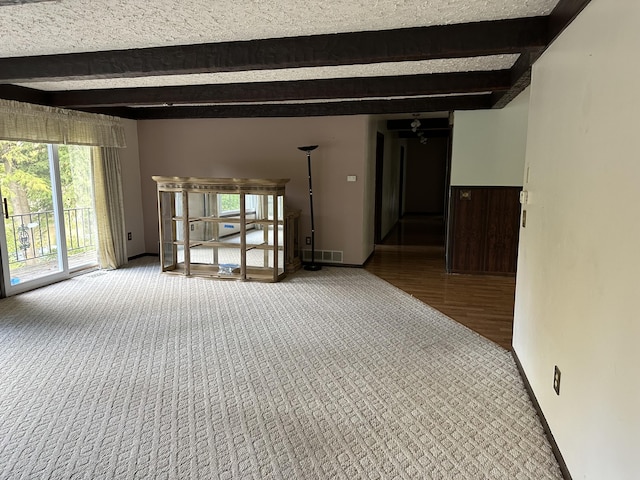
226	228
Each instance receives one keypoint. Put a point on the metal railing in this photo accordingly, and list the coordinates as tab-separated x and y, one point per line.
32	235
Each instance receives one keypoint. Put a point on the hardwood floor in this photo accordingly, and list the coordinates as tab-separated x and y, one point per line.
412	259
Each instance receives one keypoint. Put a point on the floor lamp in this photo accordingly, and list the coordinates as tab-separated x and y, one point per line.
313	266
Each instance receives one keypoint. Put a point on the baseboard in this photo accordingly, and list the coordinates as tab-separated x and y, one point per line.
339	265
369	257
481	272
347	265
554	446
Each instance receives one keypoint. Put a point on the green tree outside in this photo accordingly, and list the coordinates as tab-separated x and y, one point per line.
25	182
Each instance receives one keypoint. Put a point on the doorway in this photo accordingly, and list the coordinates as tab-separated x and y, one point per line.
48	230
412	181
422	193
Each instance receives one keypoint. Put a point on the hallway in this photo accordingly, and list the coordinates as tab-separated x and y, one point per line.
412	257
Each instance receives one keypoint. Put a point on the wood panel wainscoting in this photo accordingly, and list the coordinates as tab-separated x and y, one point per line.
483	229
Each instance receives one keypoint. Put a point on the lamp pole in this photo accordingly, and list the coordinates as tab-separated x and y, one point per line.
313	266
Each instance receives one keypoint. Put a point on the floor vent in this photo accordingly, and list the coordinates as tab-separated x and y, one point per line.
323	256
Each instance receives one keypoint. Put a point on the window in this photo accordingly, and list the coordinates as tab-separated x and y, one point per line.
49	216
229	203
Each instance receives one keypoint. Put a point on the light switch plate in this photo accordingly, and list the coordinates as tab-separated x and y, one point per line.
351	178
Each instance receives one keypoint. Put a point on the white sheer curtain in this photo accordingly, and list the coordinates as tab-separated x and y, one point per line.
107	178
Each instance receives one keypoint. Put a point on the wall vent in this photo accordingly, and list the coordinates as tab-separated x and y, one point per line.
323	256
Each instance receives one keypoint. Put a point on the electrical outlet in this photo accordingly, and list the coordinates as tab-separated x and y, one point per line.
307	240
193	227
129	236
556	380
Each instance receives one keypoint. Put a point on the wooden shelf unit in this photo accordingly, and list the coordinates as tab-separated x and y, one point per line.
230	228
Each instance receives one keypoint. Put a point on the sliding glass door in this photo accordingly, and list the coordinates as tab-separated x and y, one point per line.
48	228
76	189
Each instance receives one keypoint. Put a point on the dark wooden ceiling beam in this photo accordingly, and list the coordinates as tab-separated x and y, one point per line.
23	94
562	15
408	44
520	75
355	107
529	36
335	88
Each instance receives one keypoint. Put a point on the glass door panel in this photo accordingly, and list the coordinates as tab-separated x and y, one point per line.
168	251
48	228
77	199
29	238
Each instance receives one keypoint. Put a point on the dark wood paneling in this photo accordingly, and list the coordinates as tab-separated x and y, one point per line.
502	230
484	229
469	223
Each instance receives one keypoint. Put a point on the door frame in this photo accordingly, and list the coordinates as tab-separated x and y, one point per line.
401	185
377	237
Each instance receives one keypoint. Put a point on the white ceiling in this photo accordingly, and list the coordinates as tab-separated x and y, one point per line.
65	26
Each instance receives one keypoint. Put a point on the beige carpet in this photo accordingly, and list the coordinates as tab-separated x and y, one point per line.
327	375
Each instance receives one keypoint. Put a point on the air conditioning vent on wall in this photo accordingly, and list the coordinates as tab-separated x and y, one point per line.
323	256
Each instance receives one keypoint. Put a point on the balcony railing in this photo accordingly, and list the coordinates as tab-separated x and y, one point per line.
32	235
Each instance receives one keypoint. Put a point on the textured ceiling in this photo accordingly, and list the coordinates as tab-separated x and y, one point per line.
66	26
273	58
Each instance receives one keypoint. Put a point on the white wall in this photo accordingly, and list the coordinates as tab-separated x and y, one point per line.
489	145
130	165
579	259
